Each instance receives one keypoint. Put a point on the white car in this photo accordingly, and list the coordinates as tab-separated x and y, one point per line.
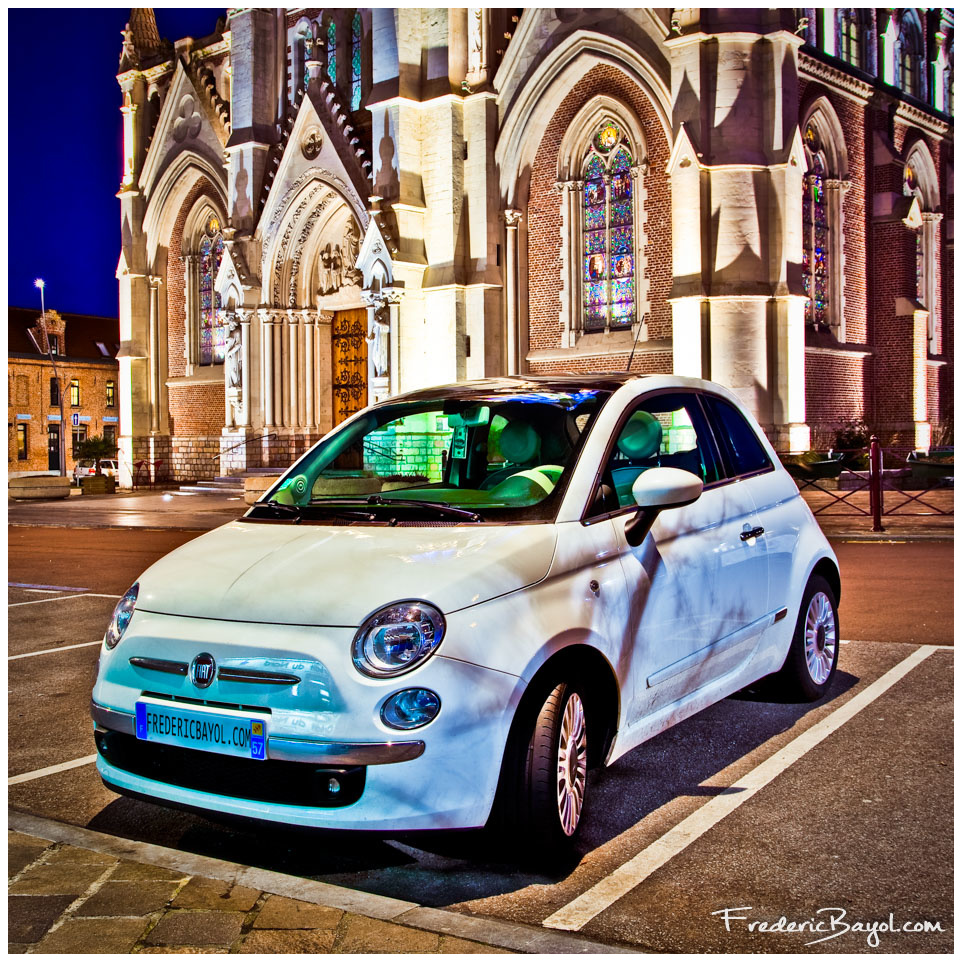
462	599
88	468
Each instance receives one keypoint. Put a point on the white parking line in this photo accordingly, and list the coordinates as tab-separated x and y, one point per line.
47	651
42	601
52	770
578	913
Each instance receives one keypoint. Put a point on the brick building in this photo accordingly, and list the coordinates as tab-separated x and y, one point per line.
85	350
413	196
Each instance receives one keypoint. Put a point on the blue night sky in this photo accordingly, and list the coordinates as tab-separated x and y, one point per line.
65	151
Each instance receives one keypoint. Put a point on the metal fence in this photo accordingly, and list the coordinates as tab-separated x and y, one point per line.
906	489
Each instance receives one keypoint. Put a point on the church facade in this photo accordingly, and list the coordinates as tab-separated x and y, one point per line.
323	208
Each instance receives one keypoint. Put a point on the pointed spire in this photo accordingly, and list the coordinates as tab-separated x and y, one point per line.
141	38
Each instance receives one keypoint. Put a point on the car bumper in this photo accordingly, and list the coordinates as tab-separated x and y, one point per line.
441	776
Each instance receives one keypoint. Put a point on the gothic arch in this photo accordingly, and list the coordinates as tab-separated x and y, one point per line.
172	190
577	139
823	222
528	116
918	157
821	115
315	218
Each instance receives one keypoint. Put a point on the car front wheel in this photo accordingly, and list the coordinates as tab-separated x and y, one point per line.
813	656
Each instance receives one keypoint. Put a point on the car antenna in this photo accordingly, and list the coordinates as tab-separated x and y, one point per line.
631	356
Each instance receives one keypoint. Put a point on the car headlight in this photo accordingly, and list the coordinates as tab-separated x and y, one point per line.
121	617
397	638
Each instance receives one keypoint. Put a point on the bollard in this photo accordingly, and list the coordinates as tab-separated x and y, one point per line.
875	483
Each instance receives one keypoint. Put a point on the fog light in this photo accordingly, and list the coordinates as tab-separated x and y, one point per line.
333	786
410	708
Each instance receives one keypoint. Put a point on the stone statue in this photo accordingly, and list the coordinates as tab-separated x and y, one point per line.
234	350
380	329
352	248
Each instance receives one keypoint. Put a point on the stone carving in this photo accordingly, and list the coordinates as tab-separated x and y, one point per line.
312	143
188	120
378	338
332	269
352	248
234	367
129	58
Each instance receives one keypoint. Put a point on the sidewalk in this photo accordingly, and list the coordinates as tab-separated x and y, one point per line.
72	890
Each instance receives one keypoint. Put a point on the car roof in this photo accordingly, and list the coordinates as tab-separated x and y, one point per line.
561	383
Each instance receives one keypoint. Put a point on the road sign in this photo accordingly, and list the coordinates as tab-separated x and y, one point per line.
75	420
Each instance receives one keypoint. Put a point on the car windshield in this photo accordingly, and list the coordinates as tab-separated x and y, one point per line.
467	458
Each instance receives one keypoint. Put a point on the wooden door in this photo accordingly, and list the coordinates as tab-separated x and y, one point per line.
349	362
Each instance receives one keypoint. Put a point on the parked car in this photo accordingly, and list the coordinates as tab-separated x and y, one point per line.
87	467
559	569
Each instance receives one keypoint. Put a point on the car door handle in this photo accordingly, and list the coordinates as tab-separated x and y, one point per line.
754	533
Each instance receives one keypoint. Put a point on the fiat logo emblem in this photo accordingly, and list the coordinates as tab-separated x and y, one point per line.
202	670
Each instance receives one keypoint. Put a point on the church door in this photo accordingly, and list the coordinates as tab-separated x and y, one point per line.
349	360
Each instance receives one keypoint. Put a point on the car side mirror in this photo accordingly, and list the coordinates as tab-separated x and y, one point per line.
656	490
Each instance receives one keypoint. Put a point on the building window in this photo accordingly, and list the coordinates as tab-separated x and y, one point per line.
815	273
75	393
213	330
110	434
53	342
79	435
111	394
54	392
306	49
22	442
823	186
608	233
919	182
909	56
356	62
332	51
850	38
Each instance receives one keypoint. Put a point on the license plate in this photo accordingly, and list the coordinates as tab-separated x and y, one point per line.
224	732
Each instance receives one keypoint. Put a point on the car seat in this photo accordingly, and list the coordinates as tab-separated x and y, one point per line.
639	442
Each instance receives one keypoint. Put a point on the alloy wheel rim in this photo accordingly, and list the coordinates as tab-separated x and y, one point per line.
572	764
820	638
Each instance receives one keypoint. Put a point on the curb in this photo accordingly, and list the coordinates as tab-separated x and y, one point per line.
514	936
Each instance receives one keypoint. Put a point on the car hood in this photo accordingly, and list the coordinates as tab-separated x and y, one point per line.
336	576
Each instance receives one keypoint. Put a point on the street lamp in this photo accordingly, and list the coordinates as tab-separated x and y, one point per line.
39	282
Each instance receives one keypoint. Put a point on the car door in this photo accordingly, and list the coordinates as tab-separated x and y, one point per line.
747	459
698	581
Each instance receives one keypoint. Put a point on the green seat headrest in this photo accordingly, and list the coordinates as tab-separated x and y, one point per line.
641	437
520	443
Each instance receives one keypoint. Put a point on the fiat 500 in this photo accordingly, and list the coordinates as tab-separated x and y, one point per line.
461	600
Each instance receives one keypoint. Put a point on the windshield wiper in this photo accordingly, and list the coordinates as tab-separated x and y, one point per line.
292	510
375	500
440	507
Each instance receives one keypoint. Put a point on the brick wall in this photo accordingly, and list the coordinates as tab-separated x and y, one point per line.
176	307
544	217
834	391
196	408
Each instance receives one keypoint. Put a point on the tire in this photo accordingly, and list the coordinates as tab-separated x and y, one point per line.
811	661
544	779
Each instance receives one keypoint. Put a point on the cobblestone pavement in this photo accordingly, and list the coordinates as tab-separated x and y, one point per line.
69	898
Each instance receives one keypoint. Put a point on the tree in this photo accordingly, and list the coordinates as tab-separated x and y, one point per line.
96	449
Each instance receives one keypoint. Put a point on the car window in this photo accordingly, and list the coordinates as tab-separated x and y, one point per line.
738	439
667	430
491	456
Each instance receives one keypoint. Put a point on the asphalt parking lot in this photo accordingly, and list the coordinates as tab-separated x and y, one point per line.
836	815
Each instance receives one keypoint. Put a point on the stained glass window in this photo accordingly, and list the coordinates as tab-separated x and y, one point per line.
815	239
356	62
332	51
920	292
213	331
608	252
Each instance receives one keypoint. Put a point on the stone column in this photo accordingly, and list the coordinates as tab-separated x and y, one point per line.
293	326
736	174
154	284
267	367
191	288
930	298
245	325
310	323
511	219
572	259
393	297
